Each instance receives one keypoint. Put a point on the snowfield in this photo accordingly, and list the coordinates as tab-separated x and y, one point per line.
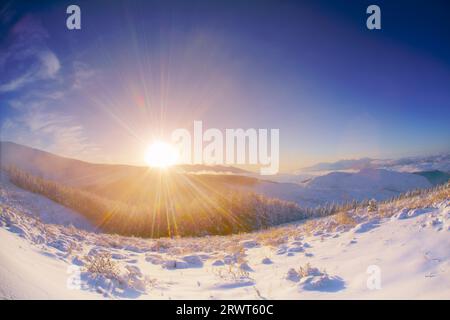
399	251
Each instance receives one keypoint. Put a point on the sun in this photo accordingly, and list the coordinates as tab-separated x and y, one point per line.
161	155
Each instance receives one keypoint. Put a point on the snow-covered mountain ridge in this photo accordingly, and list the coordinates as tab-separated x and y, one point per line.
406	164
341	187
332	187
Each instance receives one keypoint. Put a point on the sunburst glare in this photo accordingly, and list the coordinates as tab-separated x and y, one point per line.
161	155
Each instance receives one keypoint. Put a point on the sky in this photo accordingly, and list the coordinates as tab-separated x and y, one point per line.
137	70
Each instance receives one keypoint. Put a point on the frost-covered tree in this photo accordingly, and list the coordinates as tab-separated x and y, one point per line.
372	206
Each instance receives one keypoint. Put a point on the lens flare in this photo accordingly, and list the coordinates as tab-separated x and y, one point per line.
161	155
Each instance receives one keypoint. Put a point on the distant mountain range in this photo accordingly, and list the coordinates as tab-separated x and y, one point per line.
435	177
76	172
362	182
341	187
439	162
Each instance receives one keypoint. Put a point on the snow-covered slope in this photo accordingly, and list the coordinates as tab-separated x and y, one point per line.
403	247
40	207
341	187
370	180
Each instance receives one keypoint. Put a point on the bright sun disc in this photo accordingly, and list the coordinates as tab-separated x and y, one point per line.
161	155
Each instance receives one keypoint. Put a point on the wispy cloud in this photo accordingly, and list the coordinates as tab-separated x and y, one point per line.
17	82
53	132
38	94
49	64
26	47
82	73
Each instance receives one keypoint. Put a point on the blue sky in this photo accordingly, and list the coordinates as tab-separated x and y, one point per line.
139	69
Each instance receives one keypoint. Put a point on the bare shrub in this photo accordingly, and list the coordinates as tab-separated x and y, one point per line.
372	207
232	272
272	237
309	227
102	264
344	218
238	252
307	270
